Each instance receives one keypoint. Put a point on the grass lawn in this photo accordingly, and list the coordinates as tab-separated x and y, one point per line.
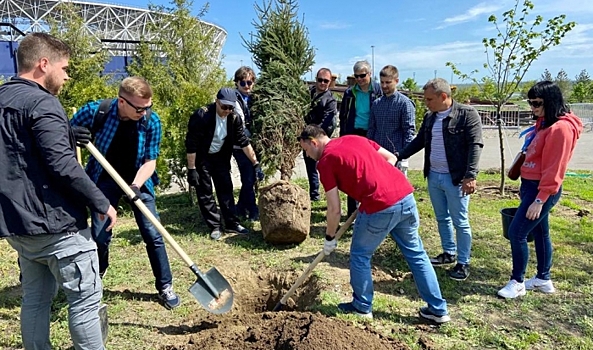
480	320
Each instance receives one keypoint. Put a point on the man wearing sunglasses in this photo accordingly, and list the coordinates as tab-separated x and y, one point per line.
130	140
323	114
355	109
246	206
212	132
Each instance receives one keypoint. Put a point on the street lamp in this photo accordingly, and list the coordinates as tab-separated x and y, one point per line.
373	61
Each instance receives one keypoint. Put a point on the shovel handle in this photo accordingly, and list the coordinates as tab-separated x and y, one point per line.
319	257
128	191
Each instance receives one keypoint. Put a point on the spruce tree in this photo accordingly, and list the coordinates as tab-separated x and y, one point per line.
282	52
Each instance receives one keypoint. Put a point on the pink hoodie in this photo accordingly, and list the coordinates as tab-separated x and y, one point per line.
550	151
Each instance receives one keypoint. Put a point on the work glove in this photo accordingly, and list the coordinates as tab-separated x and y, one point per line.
82	136
330	245
136	191
259	174
192	177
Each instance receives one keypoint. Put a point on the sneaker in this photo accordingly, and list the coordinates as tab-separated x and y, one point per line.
348	308
429	315
535	283
169	298
460	272
443	259
512	290
238	229
216	234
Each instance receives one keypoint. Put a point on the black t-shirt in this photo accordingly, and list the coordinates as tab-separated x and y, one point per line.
123	151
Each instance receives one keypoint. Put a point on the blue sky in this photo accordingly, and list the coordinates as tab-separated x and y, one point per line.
418	37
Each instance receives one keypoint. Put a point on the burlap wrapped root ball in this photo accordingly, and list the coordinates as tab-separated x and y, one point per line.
284	213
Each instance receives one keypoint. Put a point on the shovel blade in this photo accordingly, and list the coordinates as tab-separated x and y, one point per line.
104	322
216	305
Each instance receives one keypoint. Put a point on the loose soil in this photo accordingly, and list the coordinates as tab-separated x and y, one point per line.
251	325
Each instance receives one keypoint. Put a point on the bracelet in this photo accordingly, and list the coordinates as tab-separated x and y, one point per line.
329	238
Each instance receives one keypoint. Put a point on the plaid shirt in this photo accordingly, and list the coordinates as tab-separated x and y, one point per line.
149	138
392	122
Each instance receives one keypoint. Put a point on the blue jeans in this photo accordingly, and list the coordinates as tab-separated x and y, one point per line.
313	175
246	203
520	228
67	261
401	221
451	210
155	246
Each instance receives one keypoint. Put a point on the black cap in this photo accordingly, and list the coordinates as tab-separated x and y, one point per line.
227	96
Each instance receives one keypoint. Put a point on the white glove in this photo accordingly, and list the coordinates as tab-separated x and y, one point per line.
329	246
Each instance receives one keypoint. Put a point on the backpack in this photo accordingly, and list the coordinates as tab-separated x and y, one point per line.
101	115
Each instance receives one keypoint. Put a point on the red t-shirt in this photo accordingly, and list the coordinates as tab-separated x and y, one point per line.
353	165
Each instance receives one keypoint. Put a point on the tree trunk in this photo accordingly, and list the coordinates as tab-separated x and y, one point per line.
501	143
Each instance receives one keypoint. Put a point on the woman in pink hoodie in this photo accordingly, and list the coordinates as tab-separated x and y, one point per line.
550	147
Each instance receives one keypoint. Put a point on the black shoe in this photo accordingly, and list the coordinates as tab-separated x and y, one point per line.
429	315
238	229
443	259
460	272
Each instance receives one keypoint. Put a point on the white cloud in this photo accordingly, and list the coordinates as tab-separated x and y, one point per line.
333	25
471	14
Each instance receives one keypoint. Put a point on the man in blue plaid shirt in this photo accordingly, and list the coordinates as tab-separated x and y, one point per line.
392	121
130	141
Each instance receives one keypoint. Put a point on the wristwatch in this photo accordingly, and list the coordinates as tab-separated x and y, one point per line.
539	201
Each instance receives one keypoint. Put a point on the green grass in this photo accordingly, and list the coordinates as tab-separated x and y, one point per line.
479	319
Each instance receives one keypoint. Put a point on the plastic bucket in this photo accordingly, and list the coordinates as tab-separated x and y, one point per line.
507	217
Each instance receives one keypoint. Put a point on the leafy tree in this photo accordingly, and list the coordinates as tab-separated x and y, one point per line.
583	76
563	83
178	60
87	60
582	92
519	41
409	85
282	52
547	76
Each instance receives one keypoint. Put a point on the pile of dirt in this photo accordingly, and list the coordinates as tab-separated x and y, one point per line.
286	331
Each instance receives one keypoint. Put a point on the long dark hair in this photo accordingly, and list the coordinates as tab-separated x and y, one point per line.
554	105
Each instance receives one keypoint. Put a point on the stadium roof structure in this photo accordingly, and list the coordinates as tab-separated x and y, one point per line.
117	27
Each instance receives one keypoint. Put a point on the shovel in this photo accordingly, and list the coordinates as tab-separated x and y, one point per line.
310	268
211	289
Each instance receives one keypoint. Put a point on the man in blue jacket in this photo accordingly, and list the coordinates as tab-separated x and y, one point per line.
130	139
355	109
44	195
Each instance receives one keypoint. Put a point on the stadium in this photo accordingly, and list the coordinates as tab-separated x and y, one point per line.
118	28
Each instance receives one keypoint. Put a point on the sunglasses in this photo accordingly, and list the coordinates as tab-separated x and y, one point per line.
226	107
321	80
360	76
535	104
244	83
138	109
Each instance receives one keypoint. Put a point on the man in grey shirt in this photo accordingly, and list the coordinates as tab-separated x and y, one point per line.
451	134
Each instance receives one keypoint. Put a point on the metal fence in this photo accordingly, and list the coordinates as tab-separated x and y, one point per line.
510	116
585	112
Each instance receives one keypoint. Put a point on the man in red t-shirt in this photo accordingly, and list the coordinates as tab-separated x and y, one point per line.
365	171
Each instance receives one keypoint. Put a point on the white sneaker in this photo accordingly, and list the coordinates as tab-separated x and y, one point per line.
544	286
512	290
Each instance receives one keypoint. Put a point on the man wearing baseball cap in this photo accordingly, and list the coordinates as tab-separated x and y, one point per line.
211	133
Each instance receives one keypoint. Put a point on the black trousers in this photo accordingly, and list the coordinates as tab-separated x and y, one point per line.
216	169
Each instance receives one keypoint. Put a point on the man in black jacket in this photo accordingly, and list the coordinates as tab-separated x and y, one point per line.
451	136
44	195
323	114
211	133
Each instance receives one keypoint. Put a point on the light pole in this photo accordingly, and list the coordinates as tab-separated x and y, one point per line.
373	61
